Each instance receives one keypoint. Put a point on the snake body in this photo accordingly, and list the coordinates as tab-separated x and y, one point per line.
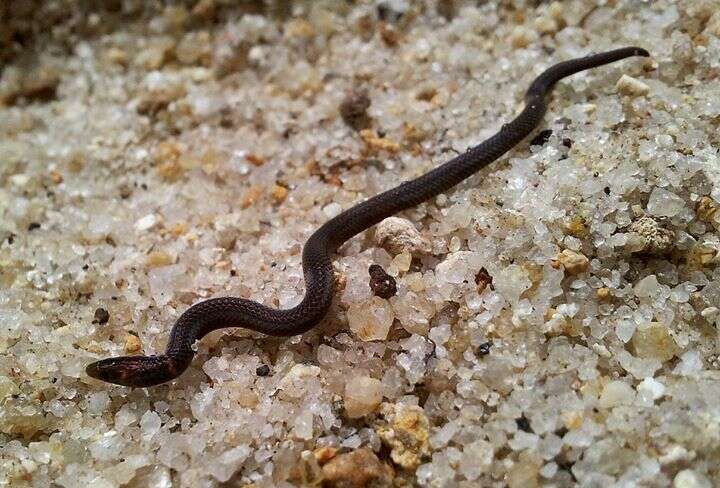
217	313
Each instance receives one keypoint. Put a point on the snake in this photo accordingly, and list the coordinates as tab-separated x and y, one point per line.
218	313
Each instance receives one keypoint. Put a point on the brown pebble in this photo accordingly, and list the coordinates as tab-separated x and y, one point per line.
37	85
706	209
178	229
603	293
482	280
382	284
357	469
132	344
325	454
389	34
426	94
158	258
251	196
255	159
279	193
56	177
375	143
101	316
573	261
353	109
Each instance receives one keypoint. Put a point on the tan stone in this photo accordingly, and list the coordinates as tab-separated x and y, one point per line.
357	469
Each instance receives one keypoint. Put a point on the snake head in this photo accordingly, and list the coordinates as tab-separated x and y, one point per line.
134	371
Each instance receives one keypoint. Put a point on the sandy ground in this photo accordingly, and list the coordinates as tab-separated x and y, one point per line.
554	319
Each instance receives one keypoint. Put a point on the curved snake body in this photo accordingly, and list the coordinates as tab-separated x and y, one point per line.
217	313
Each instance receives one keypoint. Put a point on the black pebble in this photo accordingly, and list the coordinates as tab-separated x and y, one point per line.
542	138
382	284
101	316
263	370
484	348
353	109
33	226
523	424
567	142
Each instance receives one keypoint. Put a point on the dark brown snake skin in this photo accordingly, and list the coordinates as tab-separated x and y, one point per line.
217	313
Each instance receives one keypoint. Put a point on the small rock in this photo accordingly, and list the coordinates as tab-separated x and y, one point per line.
251	196
576	227
688	478
357	469
627	85
146	223
263	370
541	138
324	454
603	293
484	348
647	236
20	180
371	320
713	25
310	472
701	256
664	203
482	280
56	177
407	435
521	37
652	340
616	393
255	159
523	474
389	34
398	235
706	209
353	109
158	258
710	313
382	284
132	344
546	25
101	316
279	193
362	396
650	389
573	261
374	143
